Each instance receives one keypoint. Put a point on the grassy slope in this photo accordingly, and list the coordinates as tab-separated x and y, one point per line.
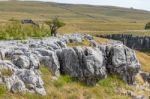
79	18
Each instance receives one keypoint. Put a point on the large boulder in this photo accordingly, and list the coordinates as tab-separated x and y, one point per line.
85	64
69	62
123	62
94	67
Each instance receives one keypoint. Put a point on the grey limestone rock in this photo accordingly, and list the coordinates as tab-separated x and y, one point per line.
22	61
85	64
123	62
50	60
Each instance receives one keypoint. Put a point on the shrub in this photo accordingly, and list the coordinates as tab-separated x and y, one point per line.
147	26
54	25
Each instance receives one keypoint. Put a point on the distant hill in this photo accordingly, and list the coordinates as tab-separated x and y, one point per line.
82	17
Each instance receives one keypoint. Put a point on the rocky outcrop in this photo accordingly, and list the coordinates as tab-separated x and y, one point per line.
87	64
134	42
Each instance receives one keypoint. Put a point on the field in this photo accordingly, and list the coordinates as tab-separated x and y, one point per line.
78	18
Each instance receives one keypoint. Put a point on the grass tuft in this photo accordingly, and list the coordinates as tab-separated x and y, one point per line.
3	90
62	80
6	72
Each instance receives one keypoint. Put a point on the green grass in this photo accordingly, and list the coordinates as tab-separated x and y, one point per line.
62	80
111	81
15	30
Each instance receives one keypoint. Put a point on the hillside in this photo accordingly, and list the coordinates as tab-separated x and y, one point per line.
79	18
65	11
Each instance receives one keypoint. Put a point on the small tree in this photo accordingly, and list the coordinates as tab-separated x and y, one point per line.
54	25
147	26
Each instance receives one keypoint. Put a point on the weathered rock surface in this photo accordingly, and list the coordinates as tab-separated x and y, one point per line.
50	60
122	61
87	64
23	80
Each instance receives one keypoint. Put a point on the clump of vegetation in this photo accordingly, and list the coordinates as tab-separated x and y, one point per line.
54	25
111	81
62	80
83	43
16	30
147	26
3	90
6	72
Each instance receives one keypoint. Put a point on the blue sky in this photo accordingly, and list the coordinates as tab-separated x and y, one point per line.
138	4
